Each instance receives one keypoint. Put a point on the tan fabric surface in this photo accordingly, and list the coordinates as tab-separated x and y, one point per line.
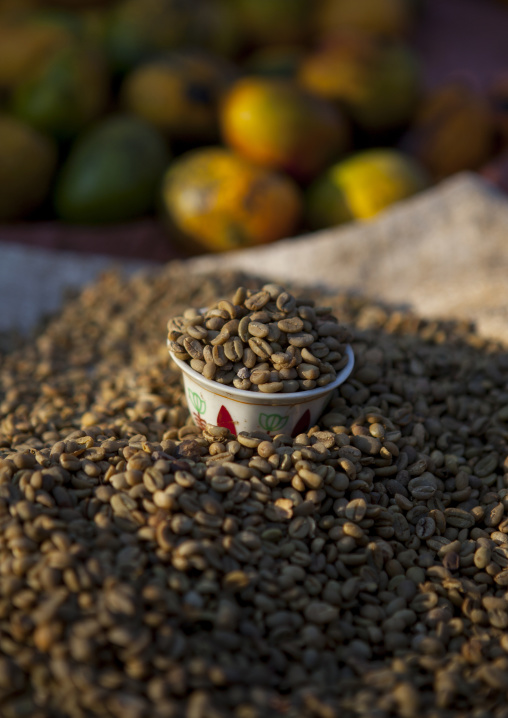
443	253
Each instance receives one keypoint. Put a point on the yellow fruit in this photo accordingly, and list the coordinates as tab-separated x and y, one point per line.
377	81
362	185
179	94
452	130
65	93
380	17
278	124
217	201
27	164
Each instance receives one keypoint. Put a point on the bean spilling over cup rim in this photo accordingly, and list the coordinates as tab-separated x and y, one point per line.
266	340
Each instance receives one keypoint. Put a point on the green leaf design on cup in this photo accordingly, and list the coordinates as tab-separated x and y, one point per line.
197	402
272	422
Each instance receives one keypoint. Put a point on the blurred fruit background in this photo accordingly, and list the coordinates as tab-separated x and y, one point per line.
221	124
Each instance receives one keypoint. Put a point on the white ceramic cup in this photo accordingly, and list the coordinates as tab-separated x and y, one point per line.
220	405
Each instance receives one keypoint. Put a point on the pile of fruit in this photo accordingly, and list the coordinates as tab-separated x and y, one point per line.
235	122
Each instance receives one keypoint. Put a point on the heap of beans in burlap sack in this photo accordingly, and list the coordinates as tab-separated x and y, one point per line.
149	569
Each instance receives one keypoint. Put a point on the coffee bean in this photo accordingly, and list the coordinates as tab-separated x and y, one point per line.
367	444
291	325
233	349
320	612
459	518
257	329
261	348
196	332
356	510
307	371
425	527
219	356
193	348
198	365
286	302
300	339
209	370
257	300
260	376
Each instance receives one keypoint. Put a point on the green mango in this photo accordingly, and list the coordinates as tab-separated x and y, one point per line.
64	94
112	173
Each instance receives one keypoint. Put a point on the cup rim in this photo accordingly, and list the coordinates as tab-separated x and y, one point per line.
297	397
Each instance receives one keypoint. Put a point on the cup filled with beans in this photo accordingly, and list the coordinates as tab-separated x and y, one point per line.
263	360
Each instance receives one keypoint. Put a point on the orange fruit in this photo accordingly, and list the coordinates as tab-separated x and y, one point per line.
278	124
217	200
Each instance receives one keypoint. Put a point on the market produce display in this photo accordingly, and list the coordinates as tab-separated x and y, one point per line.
302	93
